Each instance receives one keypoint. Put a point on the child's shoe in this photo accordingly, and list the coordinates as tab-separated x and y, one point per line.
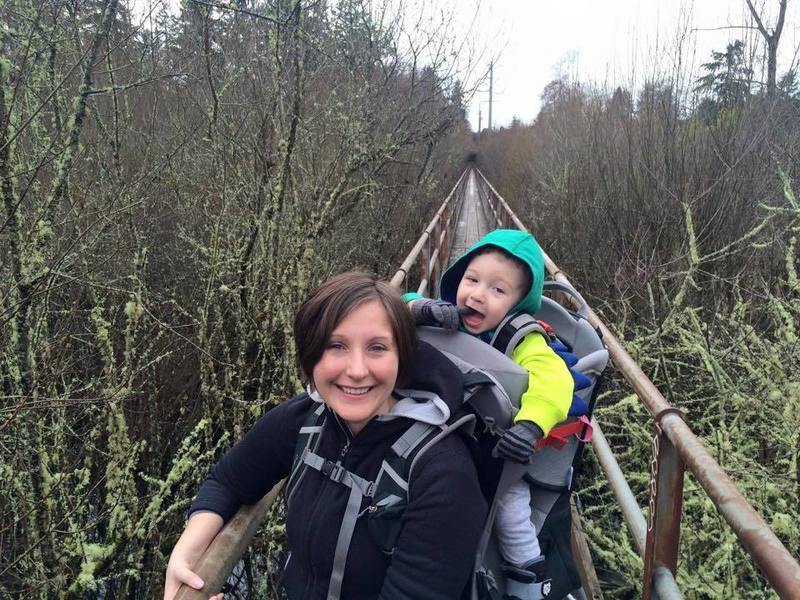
528	582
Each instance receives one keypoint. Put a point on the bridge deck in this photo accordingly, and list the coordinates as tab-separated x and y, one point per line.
472	222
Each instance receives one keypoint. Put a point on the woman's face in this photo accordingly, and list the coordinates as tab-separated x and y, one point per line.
358	369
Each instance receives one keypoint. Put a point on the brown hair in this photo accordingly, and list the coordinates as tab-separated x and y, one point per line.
332	301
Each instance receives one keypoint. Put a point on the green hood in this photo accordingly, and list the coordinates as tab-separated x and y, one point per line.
518	244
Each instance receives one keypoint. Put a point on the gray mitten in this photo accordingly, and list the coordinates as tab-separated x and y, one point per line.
435	312
518	443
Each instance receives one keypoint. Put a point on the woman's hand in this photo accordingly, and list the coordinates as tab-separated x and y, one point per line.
179	573
200	530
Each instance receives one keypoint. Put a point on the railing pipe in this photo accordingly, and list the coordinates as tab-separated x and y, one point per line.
503	203
665	585
434	264
631	511
779	567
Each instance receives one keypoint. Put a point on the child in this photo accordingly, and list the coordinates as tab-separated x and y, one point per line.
504	273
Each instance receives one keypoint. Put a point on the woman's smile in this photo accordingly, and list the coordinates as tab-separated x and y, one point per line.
358	369
355	391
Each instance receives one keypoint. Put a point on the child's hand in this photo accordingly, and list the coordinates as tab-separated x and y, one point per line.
518	443
435	312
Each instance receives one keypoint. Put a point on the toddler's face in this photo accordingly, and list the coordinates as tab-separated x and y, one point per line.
492	285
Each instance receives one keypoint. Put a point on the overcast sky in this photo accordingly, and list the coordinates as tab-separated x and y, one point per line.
611	43
608	43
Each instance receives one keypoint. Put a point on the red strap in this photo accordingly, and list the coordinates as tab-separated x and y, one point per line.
581	428
548	329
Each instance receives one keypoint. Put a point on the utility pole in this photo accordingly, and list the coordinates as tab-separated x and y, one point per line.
480	115
491	74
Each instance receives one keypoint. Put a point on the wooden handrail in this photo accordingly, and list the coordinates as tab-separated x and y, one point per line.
228	547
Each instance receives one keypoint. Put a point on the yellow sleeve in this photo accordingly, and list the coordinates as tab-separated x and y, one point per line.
549	395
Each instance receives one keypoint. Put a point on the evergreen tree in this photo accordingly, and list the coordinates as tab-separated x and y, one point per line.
728	78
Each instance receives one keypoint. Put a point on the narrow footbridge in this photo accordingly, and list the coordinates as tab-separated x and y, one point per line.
473	208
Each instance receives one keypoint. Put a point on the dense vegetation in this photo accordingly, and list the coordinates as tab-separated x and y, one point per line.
170	189
674	209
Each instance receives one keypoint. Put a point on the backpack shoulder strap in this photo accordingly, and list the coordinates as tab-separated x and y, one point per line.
394	478
513	329
307	440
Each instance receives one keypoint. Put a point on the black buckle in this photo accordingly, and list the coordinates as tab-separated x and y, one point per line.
333	471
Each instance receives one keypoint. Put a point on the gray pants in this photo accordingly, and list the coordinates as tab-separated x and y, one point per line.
516	534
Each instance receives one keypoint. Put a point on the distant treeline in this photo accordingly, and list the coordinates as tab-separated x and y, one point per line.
675	212
171	187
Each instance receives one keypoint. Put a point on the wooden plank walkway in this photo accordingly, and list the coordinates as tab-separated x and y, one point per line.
472	223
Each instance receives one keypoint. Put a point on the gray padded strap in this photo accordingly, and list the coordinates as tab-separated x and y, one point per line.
445	431
312	434
386	468
315	461
343	543
411	438
520	324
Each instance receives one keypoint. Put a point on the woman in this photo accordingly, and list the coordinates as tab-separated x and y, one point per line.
356	346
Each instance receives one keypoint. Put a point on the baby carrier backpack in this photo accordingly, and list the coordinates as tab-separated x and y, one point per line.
493	385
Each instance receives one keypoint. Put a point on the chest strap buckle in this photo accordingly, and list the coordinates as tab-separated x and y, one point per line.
333	471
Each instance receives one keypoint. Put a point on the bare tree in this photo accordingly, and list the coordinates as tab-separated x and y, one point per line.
771	38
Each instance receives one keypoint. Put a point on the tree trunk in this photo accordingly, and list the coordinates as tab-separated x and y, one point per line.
771	39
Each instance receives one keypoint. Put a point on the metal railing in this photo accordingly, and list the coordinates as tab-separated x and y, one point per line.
675	447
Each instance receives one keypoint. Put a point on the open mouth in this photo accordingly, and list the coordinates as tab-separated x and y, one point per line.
472	318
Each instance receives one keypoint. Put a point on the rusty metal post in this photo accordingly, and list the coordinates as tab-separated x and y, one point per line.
444	255
663	581
424	267
666	504
434	257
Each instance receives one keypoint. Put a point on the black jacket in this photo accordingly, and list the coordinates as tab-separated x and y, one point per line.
441	526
